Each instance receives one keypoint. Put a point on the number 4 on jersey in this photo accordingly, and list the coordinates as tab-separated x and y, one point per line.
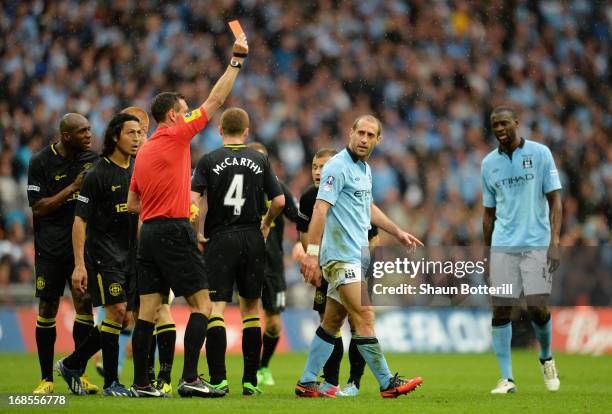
234	197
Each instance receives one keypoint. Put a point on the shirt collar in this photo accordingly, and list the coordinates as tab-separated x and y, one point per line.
352	154
520	145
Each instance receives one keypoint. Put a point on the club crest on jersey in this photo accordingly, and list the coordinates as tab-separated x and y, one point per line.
527	162
328	183
192	115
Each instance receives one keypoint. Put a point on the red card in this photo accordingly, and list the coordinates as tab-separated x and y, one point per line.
236	28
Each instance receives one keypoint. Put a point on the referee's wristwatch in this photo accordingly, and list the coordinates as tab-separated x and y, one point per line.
235	64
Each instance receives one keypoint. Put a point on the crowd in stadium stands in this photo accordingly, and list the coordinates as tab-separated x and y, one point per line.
431	69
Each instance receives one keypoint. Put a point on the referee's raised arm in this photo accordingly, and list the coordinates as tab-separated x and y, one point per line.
224	85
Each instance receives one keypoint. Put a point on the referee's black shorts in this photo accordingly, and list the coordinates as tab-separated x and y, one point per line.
237	256
168	257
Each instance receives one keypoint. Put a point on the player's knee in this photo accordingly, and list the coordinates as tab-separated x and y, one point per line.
363	321
200	302
332	322
116	312
82	303
273	324
164	316
47	308
249	307
129	319
366	317
501	315
205	308
538	314
149	305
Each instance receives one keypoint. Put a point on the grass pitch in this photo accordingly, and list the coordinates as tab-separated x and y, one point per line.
452	384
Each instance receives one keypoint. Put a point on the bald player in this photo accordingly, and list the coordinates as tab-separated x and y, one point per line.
55	175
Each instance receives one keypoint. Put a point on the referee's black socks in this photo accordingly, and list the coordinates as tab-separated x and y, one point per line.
151	359
216	344
195	333
109	338
166	339
251	347
331	369
45	342
141	345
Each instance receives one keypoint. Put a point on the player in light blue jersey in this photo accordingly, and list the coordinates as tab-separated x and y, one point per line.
341	218
521	223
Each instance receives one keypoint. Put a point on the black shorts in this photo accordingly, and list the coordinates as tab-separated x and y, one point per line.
274	293
52	276
168	257
320	298
108	287
136	304
235	257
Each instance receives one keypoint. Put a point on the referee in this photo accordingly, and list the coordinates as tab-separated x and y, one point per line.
237	180
55	175
167	253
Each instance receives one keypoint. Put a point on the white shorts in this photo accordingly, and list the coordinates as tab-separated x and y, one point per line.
340	273
525	272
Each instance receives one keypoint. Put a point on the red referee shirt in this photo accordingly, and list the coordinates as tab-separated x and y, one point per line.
162	170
